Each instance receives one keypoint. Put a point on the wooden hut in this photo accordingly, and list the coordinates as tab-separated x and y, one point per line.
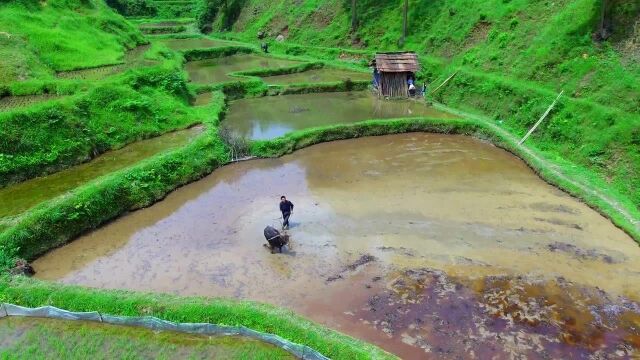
394	70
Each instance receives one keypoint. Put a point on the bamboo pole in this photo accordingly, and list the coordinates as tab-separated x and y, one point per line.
553	104
444	82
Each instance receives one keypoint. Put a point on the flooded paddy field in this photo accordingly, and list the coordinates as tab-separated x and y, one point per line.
21	196
317	76
273	116
431	246
195	43
213	71
36	338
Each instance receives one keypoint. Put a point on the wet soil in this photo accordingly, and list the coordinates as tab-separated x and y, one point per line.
317	76
195	43
213	71
13	102
431	246
273	116
22	196
29	338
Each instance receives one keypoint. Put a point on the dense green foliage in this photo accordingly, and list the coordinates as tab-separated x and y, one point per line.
39	38
134	7
513	56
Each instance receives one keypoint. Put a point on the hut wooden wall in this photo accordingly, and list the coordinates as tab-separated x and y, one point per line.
394	84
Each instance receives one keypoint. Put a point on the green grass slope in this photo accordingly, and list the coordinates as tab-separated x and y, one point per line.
38	38
514	56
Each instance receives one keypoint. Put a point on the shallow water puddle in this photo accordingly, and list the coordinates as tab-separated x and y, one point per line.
21	196
272	116
421	243
317	76
212	71
49	338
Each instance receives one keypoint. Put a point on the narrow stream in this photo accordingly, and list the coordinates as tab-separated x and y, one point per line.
21	196
427	245
272	116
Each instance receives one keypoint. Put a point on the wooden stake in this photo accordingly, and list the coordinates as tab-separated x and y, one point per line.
541	118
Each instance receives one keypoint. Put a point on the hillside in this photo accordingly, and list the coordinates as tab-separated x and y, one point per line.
38	39
513	58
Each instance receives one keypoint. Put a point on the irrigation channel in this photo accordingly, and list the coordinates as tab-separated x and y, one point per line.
29	338
425	244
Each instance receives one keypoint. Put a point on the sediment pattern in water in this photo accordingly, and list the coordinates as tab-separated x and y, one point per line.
427	245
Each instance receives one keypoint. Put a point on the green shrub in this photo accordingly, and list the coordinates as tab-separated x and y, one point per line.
134	7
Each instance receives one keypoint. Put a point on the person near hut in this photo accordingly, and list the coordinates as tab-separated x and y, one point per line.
412	86
265	47
286	207
376	78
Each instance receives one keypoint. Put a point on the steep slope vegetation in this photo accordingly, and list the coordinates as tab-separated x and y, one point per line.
39	38
513	57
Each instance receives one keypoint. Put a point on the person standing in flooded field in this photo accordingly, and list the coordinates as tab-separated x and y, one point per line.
286	207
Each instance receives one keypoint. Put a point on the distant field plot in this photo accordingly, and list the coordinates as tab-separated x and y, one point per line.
34	338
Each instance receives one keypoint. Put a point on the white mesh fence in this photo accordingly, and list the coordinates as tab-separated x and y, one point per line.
153	323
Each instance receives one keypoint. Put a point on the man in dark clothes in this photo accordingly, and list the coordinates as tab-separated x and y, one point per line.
286	207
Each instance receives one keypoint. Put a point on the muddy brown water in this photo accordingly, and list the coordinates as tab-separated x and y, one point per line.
431	246
213	71
317	76
24	337
272	116
22	196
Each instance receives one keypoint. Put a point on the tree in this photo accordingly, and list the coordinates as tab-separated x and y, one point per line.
354	16
605	26
405	20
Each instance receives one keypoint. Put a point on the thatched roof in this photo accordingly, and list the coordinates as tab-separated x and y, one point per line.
397	62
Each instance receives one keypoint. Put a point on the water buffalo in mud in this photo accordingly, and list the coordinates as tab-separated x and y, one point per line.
275	239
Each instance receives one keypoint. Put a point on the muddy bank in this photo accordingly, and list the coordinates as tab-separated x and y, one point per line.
20	197
273	116
408	241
